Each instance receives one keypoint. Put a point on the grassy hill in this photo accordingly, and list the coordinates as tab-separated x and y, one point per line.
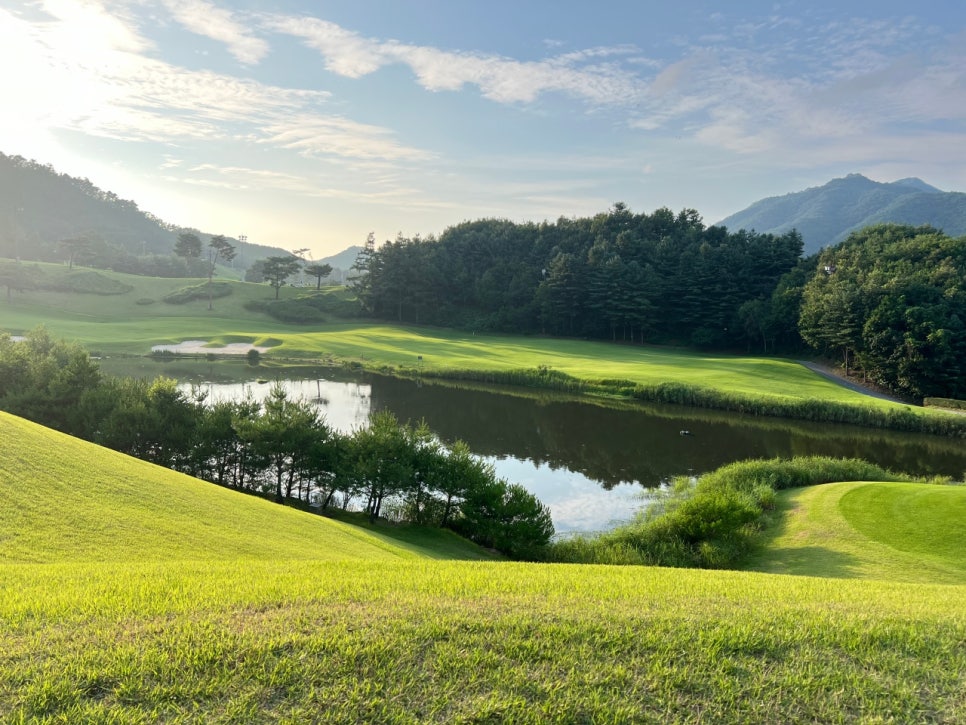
65	500
897	531
130	594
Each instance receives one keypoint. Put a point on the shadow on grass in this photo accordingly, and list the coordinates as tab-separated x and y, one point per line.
808	561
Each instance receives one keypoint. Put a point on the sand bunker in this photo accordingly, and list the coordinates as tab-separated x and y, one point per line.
202	347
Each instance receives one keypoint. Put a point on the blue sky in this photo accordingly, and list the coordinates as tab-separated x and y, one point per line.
310	124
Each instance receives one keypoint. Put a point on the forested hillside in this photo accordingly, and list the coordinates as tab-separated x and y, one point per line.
826	215
620	276
42	212
891	300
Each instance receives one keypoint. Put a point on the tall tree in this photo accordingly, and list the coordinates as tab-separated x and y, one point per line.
75	247
282	435
277	270
318	271
188	246
219	249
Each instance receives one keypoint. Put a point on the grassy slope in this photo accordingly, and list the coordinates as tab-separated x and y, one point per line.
117	324
170	618
66	500
895	531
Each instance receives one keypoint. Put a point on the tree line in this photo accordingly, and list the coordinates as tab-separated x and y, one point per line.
888	301
282	448
654	278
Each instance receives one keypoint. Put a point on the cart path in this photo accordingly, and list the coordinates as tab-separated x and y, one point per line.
829	373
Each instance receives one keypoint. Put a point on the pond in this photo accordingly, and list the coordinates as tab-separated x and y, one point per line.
590	463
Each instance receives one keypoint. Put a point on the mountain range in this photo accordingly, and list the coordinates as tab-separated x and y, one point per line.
825	215
40	207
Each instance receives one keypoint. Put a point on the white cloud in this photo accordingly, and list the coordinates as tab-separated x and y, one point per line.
501	79
337	136
103	85
204	18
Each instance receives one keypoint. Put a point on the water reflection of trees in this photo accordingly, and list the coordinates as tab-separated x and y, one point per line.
611	443
628	443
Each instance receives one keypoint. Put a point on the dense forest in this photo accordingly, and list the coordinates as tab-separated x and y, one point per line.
889	301
639	278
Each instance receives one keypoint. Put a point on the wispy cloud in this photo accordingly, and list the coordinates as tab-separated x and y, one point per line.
95	64
757	91
338	136
209	20
581	74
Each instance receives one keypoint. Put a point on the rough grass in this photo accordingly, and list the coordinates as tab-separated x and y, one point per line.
130	594
897	531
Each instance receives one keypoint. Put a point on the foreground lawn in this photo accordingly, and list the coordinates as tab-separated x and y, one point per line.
302	641
897	531
130	594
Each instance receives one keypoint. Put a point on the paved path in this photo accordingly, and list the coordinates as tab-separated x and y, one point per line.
827	372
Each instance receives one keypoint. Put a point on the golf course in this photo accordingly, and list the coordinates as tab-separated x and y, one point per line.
118	314
131	593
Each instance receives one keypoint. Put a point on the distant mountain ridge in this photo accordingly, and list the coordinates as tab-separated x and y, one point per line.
825	215
39	207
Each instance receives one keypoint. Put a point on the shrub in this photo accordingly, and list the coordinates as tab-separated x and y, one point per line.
299	311
198	292
506	517
83	282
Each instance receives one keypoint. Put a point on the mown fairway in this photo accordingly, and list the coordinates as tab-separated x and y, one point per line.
175	601
896	531
118	324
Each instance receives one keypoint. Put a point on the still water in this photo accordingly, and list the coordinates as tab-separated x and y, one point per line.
590	463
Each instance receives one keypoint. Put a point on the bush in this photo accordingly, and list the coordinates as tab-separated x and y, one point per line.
83	282
198	292
299	311
506	517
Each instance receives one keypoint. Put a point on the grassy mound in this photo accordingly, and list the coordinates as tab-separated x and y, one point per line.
204	291
896	531
133	594
68	500
714	521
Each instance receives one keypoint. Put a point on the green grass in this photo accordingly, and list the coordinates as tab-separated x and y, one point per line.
130	594
66	500
897	531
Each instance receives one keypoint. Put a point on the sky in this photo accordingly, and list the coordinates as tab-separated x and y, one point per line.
311	124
